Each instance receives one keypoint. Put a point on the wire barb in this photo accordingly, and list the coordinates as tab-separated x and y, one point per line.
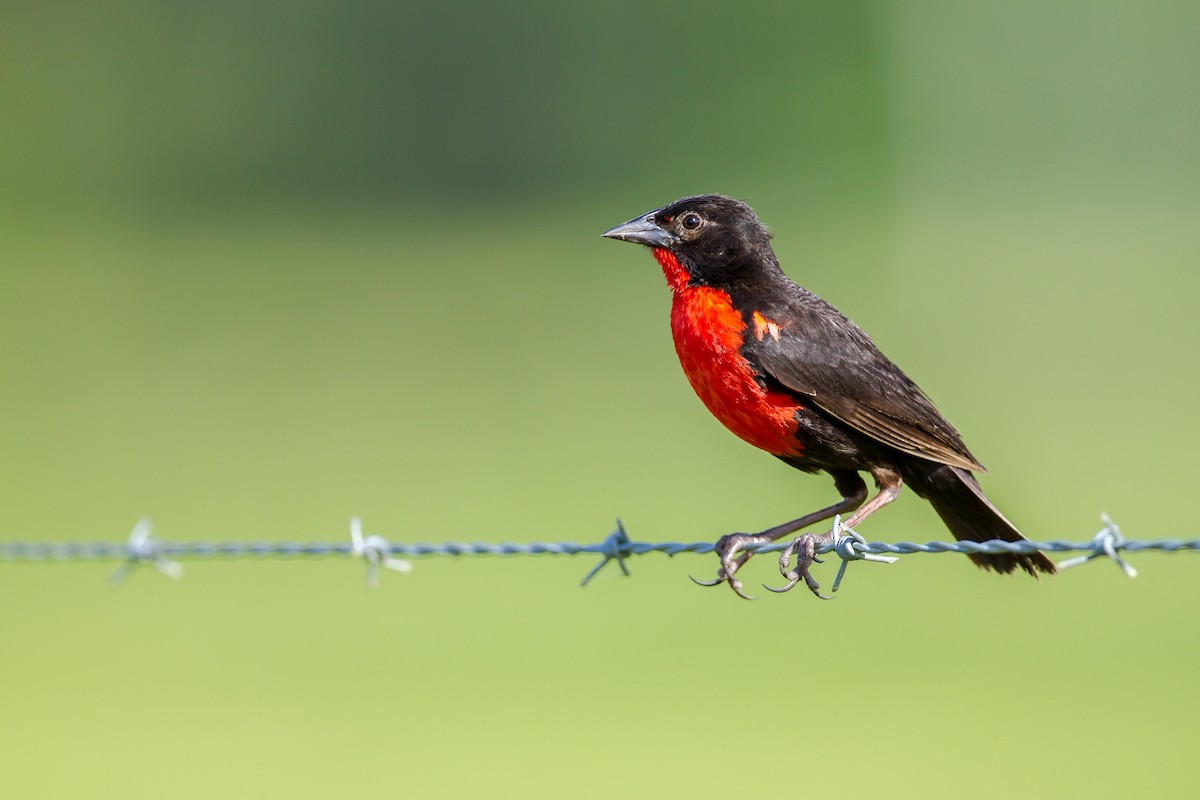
1107	543
614	548
143	548
844	541
376	551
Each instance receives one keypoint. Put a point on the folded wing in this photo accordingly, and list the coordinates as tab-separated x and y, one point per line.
812	349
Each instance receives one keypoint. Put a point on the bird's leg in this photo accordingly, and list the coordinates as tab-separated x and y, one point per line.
805	547
731	548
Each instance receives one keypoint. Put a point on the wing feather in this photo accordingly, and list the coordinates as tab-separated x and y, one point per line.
818	352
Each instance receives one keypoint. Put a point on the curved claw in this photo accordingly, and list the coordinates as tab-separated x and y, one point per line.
737	589
736	585
791	584
793	579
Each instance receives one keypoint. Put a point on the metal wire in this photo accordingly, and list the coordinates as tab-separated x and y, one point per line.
143	549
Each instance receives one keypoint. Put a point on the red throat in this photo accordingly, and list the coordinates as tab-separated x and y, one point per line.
709	333
677	276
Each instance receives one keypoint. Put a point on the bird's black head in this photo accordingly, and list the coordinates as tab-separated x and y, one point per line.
716	239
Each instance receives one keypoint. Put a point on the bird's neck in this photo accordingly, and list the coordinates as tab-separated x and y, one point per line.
677	277
763	272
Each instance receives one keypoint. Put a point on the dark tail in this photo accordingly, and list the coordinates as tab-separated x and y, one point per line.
958	500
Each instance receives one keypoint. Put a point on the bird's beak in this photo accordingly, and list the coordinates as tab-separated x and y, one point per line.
643	230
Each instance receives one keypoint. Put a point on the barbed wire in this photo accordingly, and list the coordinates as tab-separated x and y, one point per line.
141	548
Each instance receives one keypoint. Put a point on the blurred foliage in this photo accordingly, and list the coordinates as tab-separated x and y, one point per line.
269	265
476	101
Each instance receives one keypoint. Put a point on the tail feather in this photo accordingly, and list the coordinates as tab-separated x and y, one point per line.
958	500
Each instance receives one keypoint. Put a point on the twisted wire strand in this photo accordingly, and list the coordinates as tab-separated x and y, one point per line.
108	551
141	547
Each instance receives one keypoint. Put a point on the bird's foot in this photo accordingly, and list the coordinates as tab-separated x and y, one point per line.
731	549
805	549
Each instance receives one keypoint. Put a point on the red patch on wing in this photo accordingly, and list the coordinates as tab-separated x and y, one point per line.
764	326
709	333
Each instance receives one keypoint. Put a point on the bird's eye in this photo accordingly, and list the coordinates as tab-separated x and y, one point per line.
691	221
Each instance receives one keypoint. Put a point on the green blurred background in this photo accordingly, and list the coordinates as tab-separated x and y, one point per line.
269	265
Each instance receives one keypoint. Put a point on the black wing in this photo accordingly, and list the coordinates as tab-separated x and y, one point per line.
811	348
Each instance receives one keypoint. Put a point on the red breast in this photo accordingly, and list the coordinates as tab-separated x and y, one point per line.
709	333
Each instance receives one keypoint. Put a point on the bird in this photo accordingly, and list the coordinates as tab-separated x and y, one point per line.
790	374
